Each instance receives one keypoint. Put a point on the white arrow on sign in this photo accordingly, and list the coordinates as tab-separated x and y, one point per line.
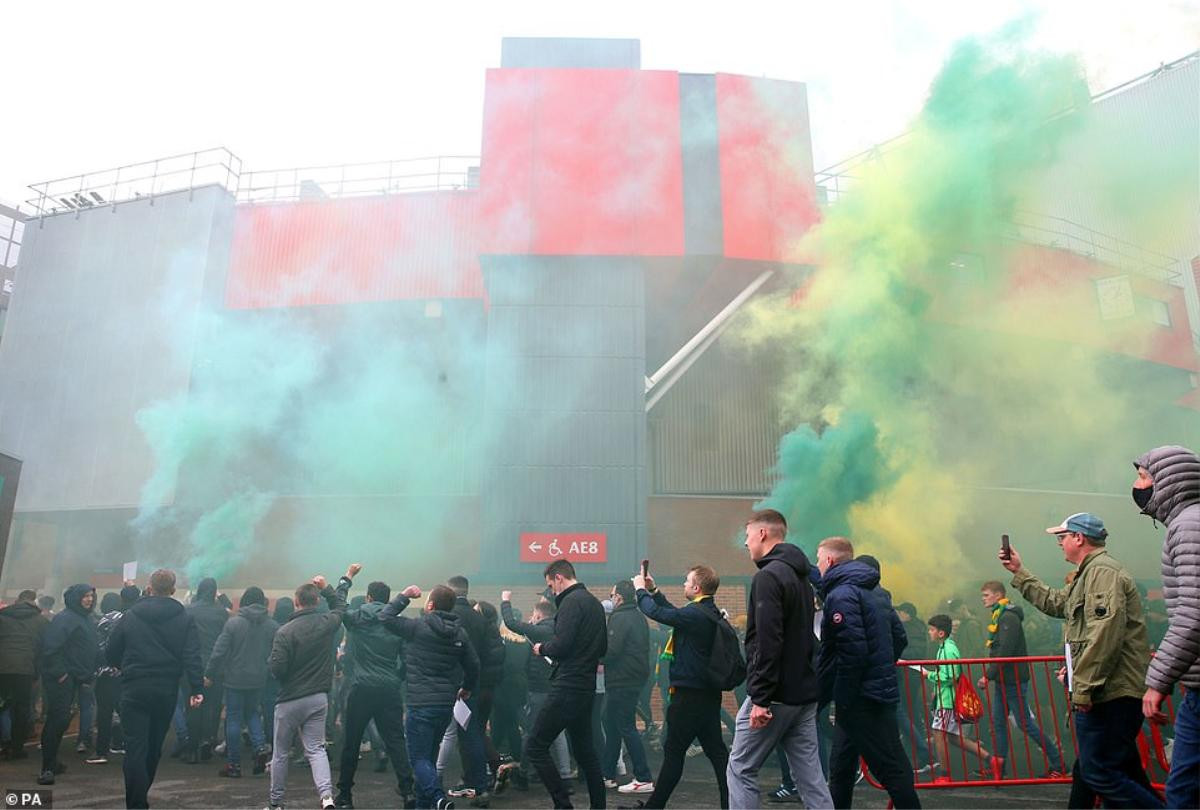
535	547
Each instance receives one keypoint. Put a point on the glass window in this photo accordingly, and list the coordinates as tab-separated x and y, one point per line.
1160	313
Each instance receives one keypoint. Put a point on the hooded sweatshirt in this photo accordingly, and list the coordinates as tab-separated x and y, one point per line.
156	642
779	630
861	637
69	646
239	657
21	629
1176	503
210	616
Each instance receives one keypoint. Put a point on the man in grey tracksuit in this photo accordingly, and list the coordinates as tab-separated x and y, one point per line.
302	661
1168	490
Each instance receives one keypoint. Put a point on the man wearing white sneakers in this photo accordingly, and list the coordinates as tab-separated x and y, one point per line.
626	668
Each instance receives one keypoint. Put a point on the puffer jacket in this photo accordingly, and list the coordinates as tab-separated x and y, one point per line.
239	657
437	654
210	617
70	645
1176	503
21	628
861	637
537	668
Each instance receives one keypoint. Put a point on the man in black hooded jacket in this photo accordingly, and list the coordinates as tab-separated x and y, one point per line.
781	682
154	646
108	679
21	628
210	617
68	658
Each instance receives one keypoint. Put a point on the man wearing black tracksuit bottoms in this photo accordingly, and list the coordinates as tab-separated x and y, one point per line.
580	641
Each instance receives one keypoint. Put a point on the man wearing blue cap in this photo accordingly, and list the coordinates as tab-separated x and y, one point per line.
1107	659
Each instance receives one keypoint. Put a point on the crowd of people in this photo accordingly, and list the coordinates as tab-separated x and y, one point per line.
432	678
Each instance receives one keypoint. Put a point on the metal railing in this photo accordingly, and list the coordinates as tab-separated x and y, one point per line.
136	181
970	754
438	173
1057	232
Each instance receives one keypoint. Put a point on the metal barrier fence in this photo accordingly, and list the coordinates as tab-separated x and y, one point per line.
1031	710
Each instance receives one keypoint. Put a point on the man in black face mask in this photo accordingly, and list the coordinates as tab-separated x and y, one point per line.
1168	489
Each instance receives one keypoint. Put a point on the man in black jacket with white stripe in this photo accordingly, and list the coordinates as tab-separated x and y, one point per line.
580	641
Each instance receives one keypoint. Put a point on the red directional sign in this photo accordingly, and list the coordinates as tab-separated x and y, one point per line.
586	547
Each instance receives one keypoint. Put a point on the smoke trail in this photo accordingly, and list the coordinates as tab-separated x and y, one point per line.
957	364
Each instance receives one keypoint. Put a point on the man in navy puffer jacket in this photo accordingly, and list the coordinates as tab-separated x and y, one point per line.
861	639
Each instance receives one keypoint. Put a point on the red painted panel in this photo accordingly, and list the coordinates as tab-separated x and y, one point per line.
409	246
582	162
768	197
587	547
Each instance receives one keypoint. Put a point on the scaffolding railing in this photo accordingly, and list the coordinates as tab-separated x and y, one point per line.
437	173
149	179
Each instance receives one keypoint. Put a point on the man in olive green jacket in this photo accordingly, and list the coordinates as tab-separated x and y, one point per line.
1108	655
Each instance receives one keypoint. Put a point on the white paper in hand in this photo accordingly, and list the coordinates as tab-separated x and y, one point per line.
1070	670
462	713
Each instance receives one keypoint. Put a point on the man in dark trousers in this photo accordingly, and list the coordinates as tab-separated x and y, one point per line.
374	691
153	646
239	660
210	617
780	709
626	668
21	628
580	641
695	708
442	667
540	627
473	753
108	678
861	640
68	658
302	659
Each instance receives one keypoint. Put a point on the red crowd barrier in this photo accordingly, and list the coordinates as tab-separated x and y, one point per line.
1025	762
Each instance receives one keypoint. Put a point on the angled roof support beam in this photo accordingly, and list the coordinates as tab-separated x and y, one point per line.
661	381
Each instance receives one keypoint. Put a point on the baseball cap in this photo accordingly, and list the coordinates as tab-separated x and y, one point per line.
1085	523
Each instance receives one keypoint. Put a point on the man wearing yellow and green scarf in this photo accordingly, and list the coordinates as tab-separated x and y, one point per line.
1010	682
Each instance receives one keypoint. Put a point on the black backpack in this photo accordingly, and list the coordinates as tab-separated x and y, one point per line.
726	664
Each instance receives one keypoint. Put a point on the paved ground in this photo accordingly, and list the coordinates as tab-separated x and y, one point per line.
180	785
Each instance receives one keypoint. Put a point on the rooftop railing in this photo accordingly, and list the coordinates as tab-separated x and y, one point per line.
438	173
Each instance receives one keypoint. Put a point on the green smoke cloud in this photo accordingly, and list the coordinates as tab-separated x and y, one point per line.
934	358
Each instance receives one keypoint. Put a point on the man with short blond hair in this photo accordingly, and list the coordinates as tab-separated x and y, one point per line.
694	712
861	640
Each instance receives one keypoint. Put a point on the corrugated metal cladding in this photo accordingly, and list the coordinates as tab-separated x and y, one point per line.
1131	171
716	431
564	402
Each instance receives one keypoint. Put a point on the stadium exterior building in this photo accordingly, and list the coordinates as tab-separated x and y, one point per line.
597	248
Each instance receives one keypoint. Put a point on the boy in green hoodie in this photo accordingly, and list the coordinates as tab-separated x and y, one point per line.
944	677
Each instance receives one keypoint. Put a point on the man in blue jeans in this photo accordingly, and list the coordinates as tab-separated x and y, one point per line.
1010	682
442	668
626	669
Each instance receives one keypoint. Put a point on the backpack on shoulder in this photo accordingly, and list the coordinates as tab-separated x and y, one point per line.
726	664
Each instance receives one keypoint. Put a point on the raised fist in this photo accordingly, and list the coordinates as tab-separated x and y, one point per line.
412	592
353	570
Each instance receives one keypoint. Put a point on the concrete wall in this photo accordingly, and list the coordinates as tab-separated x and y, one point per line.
104	296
